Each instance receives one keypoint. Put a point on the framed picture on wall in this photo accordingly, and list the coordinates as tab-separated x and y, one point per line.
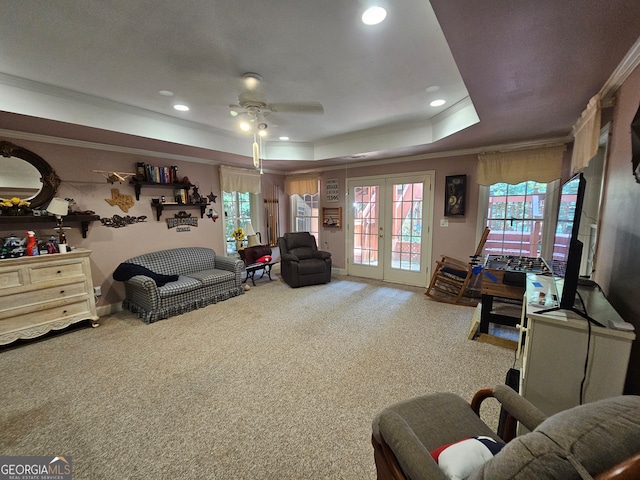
455	195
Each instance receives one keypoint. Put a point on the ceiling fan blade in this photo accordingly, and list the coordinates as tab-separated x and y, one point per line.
301	107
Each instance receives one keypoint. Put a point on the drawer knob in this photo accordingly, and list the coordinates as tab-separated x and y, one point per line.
61	291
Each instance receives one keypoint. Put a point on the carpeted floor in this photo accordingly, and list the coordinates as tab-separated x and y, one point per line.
278	383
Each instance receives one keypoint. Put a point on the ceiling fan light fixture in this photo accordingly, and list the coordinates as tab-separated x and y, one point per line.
262	133
244	126
374	15
252	80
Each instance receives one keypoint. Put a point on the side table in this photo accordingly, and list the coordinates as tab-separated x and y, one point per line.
254	267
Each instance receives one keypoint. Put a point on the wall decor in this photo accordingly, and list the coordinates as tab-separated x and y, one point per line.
182	221
125	202
332	191
117	221
455	195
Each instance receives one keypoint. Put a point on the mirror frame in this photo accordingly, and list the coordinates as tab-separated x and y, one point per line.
50	181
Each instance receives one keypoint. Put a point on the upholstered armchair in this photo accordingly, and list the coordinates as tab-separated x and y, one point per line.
441	436
301	263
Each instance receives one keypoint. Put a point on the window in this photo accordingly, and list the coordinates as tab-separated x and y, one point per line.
516	217
237	213
306	213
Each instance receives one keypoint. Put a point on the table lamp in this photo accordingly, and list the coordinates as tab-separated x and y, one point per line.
59	207
252	238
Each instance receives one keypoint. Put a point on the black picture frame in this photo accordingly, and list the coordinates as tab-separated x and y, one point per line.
455	195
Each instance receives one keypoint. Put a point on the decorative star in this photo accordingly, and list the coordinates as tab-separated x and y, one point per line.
212	197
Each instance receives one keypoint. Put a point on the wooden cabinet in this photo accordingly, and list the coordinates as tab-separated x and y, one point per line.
332	217
43	293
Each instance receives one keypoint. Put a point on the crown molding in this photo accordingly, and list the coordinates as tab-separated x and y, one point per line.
628	64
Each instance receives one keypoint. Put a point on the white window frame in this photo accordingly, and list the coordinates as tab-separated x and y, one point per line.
293	199
550	215
240	221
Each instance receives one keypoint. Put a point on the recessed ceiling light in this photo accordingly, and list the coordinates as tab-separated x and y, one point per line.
374	15
437	103
166	93
284	138
181	108
432	88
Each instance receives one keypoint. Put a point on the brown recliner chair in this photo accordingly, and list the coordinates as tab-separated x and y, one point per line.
301	263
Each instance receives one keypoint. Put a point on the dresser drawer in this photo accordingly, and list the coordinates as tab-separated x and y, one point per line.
35	298
64	315
53	272
10	278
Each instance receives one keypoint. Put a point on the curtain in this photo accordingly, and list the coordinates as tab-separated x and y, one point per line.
234	179
541	165
586	134
301	184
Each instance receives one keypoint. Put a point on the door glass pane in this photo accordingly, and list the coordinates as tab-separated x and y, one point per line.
366	225
516	219
406	226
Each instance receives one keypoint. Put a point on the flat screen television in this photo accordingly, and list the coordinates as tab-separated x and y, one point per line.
567	249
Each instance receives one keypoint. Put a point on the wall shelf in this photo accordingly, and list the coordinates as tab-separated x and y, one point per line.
332	217
137	185
178	206
83	220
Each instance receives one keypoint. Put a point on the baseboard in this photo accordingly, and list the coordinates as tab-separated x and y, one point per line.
105	310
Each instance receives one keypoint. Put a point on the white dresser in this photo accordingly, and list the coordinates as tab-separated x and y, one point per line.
43	293
565	361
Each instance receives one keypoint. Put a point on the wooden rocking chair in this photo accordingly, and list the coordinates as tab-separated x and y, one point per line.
451	276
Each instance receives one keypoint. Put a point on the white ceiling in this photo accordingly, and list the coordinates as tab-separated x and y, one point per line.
529	69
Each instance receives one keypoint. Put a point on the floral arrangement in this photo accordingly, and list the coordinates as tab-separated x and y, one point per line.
13	206
238	234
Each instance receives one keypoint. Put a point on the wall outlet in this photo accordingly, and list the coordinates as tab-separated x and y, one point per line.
97	291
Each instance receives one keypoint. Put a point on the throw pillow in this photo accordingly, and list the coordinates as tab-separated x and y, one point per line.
264	259
459	459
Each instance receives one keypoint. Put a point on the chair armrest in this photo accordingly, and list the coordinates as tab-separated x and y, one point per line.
412	456
454	263
289	257
321	254
518	407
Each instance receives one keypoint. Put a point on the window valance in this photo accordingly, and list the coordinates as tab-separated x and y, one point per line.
234	179
541	164
586	134
301	184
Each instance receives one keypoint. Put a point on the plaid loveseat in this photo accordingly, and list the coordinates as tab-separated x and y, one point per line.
203	278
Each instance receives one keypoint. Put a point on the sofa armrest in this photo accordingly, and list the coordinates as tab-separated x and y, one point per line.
321	254
518	407
143	291
289	257
229	263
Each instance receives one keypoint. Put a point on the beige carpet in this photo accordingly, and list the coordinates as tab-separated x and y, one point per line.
279	383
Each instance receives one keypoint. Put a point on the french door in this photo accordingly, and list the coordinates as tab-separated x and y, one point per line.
389	236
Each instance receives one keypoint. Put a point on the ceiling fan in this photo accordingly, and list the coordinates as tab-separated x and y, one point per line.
253	107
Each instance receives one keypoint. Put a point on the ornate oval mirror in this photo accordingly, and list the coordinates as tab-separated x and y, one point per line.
26	175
